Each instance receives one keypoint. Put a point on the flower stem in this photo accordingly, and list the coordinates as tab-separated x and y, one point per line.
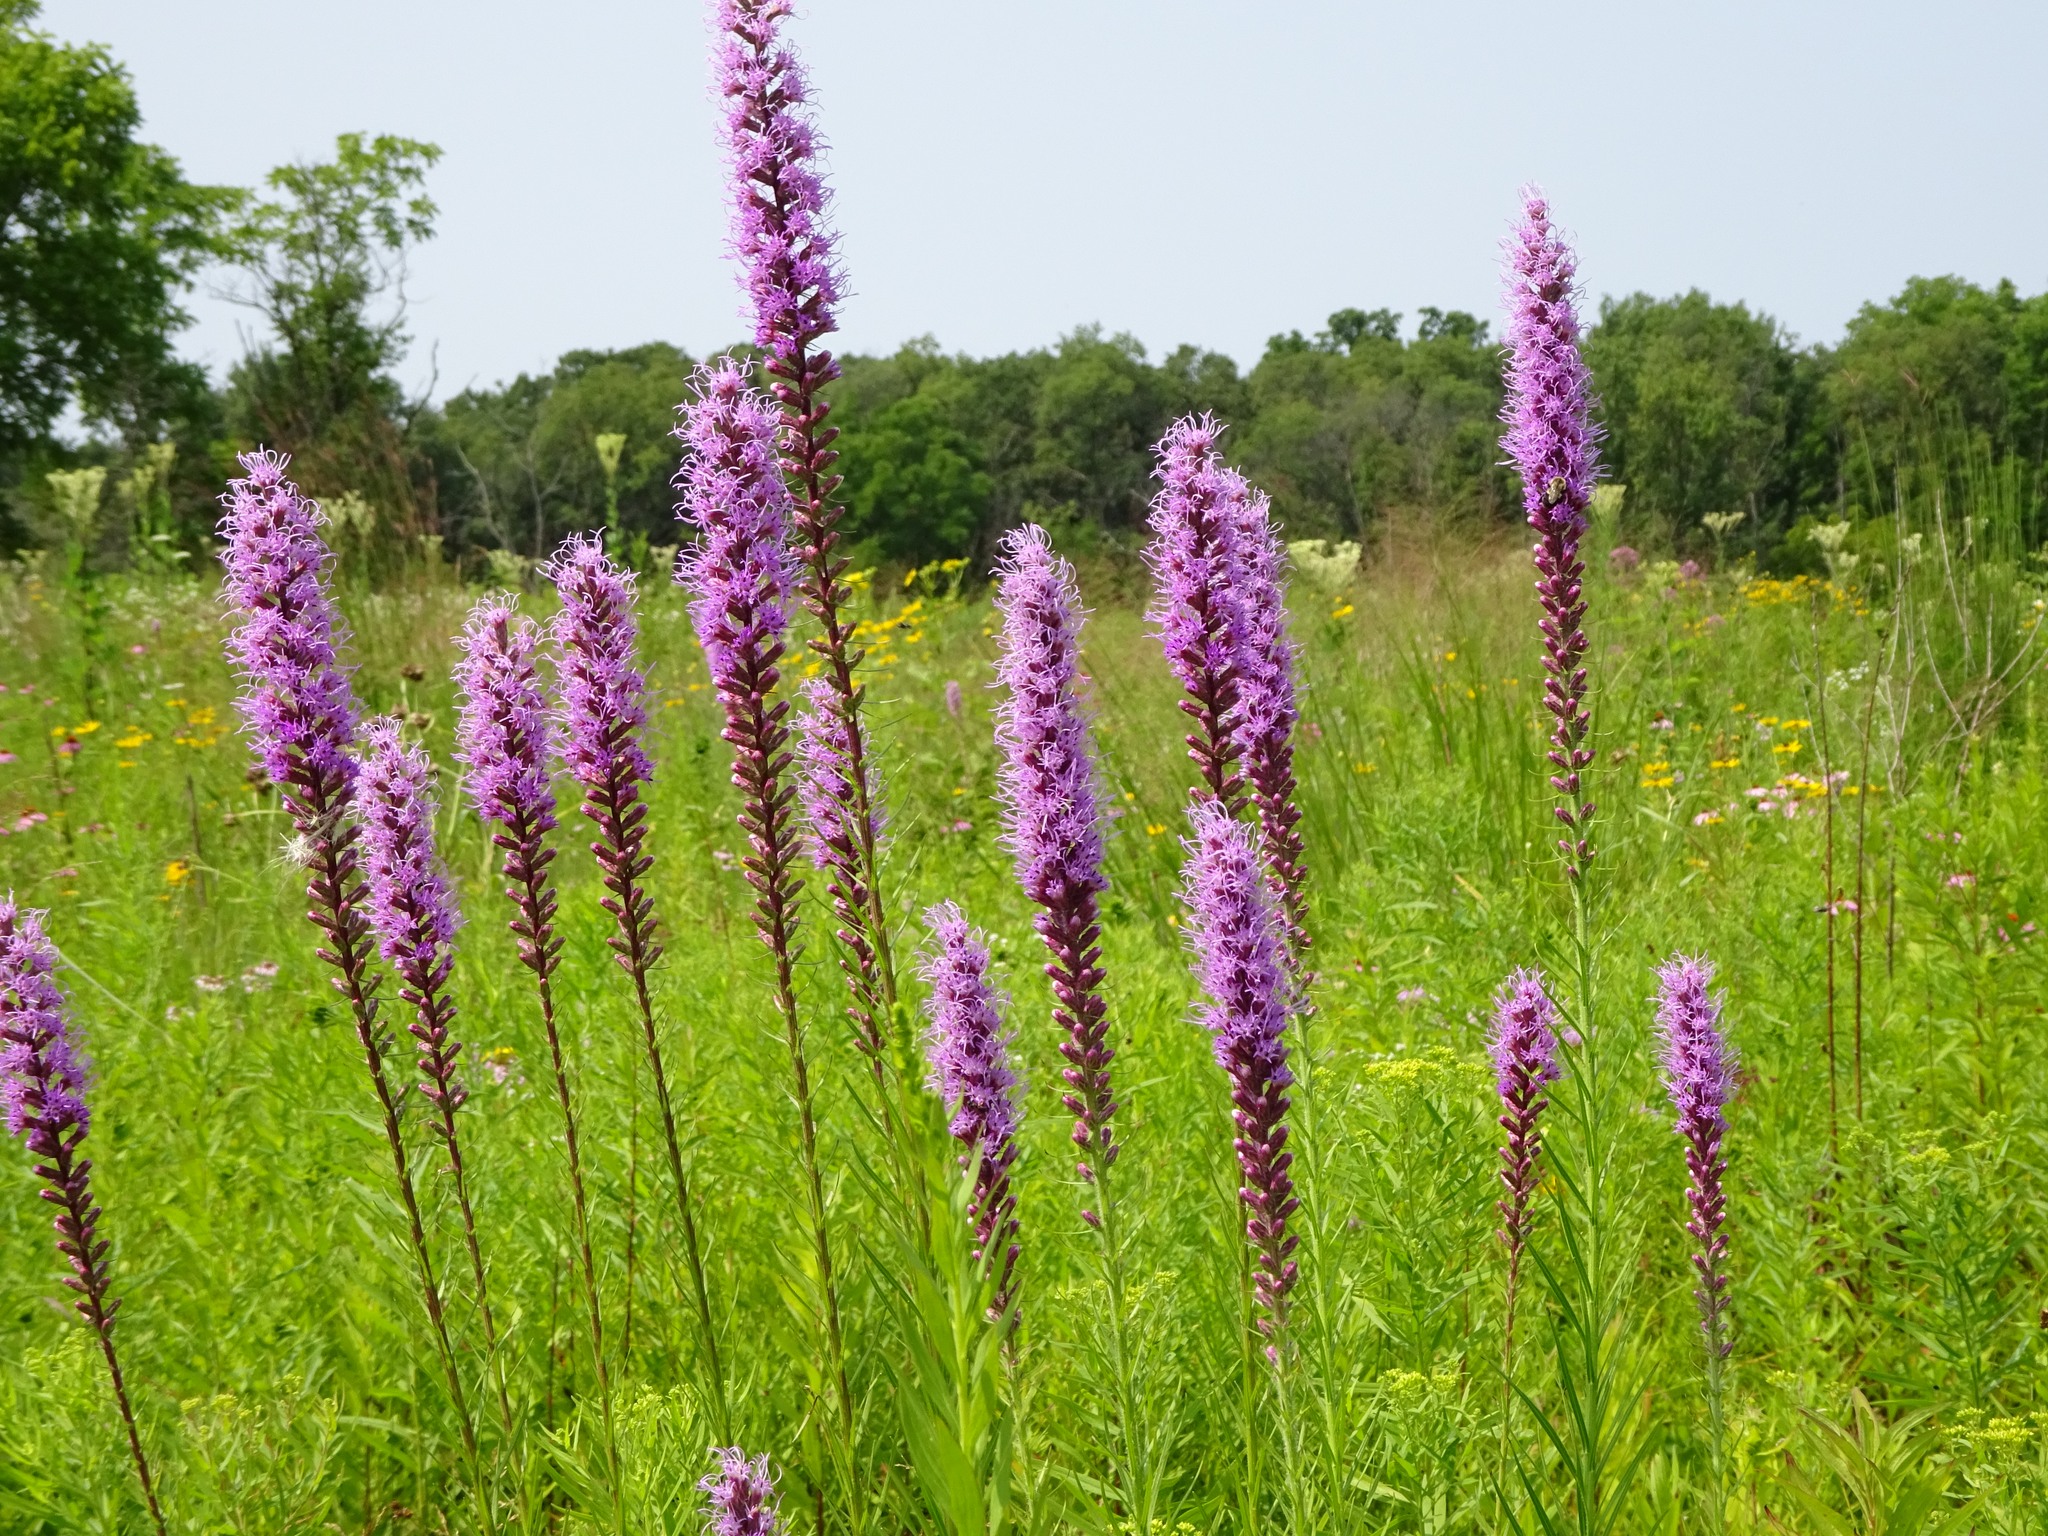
68	1181
336	891
532	891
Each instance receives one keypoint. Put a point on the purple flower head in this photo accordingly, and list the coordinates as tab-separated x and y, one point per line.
42	1072
1699	1064
1053	824
1266	710
1550	433
825	789
955	704
739	1496
1047	773
409	904
1197	603
966	1045
1699	1074
602	691
968	1050
504	733
779	230
1523	1043
1550	438
1236	933
296	702
740	572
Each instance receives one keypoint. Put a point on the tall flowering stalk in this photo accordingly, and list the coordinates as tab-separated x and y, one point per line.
414	918
1053	828
503	739
602	710
1551	440
1238	937
1699	1075
740	575
782	239
739	1498
968	1049
299	713
1523	1044
42	1088
1053	820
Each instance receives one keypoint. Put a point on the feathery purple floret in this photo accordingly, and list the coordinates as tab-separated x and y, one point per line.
1198	604
409	904
779	230
740	1496
1047	771
503	733
1267	709
1699	1075
1523	1044
825	782
740	571
602	691
296	698
1053	823
1551	440
42	1071
1236	934
968	1050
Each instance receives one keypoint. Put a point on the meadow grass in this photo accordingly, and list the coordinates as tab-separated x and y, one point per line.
1886	1204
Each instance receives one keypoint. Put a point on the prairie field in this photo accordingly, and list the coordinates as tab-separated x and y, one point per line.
1826	786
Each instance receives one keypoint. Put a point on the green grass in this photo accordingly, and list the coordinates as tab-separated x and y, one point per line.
277	1349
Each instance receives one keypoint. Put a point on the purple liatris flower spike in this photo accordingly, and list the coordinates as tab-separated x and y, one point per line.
1237	936
785	250
503	738
296	700
1197	606
601	711
739	572
1551	440
829	804
779	230
968	1049
411	911
740	1496
1052	819
1523	1044
1267	711
603	703
415	917
1699	1074
300	715
503	734
42	1085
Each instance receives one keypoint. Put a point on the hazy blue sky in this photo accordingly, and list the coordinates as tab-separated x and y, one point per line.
1186	170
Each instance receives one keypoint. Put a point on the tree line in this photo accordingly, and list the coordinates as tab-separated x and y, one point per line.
1727	434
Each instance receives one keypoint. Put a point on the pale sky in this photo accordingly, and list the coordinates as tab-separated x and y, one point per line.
1207	171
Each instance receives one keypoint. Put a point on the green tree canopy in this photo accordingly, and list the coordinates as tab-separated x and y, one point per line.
100	235
1698	399
323	260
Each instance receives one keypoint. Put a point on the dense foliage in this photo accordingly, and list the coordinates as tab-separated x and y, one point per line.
1731	437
